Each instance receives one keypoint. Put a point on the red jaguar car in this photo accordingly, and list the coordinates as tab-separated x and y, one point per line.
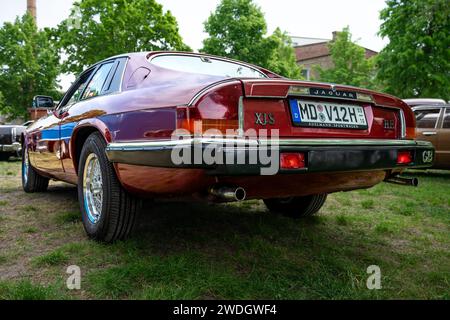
173	124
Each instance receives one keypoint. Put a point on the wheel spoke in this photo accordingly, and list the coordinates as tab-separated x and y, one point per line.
93	188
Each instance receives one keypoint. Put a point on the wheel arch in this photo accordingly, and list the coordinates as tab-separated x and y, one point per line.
80	134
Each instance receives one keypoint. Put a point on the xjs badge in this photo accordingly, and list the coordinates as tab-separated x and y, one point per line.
264	119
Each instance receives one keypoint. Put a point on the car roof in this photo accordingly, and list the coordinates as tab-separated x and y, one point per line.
424	101
431	106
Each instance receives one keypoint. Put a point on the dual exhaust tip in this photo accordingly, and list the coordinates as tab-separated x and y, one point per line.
228	194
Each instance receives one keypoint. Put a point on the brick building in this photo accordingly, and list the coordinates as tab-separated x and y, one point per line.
315	51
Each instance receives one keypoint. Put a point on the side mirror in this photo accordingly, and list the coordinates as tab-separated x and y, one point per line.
43	102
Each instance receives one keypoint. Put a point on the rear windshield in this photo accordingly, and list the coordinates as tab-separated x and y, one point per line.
206	65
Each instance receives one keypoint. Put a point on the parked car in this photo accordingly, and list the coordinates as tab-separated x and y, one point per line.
10	140
433	125
152	125
421	102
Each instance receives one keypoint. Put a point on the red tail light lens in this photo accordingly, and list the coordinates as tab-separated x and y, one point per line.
215	112
404	157
292	161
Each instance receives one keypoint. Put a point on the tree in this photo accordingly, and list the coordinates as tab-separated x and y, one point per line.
29	65
416	62
350	65
98	29
283	59
237	29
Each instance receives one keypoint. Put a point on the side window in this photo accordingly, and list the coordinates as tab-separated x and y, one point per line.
447	119
95	86
75	92
427	118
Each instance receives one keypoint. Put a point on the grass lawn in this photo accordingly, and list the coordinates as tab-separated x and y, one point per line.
236	251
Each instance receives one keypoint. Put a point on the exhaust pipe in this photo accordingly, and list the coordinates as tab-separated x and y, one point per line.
228	194
413	182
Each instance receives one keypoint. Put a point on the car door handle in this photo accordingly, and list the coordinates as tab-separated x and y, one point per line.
429	133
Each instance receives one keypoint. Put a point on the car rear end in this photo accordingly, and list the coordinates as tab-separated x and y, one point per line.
318	127
275	137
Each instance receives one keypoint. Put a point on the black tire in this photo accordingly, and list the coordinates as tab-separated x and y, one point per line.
32	182
297	207
119	209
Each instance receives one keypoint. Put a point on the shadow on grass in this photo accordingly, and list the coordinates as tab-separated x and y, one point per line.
235	252
194	250
184	225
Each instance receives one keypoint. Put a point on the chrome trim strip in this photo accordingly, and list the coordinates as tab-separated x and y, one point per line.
403	124
164	144
123	74
241	116
324	97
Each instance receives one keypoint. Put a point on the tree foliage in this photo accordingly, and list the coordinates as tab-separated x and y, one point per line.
98	29
350	65
237	29
29	65
416	62
283	59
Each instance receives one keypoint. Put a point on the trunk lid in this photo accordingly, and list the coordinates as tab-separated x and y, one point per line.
315	110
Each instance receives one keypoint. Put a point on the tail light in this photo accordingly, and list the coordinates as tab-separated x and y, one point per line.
215	112
404	157
292	161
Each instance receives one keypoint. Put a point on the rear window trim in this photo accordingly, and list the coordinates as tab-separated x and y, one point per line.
254	68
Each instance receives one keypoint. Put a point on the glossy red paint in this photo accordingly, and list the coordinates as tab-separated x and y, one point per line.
175	182
154	101
280	110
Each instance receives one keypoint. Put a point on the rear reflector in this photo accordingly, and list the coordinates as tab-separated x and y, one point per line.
404	157
292	161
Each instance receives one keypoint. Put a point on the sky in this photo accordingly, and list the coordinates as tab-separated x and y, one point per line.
305	18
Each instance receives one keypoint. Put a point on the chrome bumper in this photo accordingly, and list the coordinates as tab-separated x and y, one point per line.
330	155
11	148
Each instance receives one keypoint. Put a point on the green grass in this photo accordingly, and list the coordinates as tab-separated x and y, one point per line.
54	258
26	290
30	209
368	204
30	230
235	251
68	217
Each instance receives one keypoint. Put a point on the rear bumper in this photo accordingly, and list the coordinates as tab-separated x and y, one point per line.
16	147
321	155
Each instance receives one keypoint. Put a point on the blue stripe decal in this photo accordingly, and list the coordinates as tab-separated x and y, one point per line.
50	134
295	110
67	130
55	134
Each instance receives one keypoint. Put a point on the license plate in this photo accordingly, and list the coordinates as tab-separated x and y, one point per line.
327	115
